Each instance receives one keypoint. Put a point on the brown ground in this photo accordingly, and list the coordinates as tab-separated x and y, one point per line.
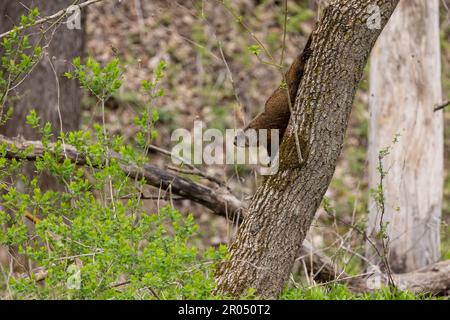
212	76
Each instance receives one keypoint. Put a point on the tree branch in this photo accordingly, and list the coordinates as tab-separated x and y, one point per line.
220	201
54	16
442	105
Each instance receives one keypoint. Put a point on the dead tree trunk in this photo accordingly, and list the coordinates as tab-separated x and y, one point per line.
407	57
282	209
433	279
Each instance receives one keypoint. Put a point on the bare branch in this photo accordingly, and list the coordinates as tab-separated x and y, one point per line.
54	16
194	170
442	105
433	279
220	201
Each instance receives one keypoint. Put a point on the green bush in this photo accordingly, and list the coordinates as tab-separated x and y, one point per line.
94	239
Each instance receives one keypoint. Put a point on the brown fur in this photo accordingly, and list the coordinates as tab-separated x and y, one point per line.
276	113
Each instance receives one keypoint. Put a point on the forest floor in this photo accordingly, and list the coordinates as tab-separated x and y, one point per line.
213	77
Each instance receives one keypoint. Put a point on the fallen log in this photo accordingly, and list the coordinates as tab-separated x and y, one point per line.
433	279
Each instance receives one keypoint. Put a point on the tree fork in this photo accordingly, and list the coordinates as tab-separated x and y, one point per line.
283	207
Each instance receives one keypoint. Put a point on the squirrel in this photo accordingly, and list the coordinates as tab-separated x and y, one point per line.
276	112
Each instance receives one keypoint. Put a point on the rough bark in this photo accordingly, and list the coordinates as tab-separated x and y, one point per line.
407	57
282	209
39	90
433	279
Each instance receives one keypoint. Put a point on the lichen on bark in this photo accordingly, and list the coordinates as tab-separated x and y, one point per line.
283	207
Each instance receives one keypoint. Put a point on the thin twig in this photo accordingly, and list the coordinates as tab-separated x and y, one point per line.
200	174
153	197
442	105
385	238
193	171
54	16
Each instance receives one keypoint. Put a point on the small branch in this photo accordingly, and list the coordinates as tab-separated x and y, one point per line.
54	16
199	173
154	197
442	105
194	170
169	154
384	236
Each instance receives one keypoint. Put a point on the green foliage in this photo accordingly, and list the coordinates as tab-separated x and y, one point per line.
103	82
255	49
341	292
114	254
94	238
17	60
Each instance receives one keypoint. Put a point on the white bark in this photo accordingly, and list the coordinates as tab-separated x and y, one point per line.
405	84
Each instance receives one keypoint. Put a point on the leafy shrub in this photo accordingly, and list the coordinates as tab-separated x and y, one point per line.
94	239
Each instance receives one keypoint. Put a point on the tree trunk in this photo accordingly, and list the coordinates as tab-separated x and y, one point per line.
407	58
40	89
282	209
